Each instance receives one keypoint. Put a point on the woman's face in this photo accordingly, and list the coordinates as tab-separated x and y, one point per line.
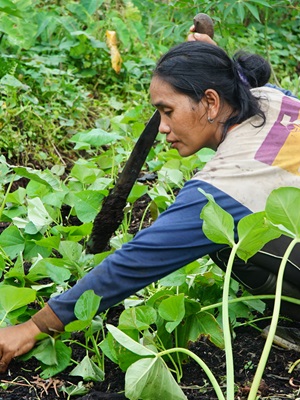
184	121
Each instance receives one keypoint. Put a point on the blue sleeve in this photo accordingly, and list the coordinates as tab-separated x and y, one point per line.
174	240
284	91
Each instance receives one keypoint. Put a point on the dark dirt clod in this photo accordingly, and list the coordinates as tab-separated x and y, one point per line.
204	24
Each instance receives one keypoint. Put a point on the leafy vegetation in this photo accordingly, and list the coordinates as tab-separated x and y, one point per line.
69	119
279	218
56	78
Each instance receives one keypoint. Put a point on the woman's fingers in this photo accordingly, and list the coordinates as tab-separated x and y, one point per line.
15	341
4	364
201	37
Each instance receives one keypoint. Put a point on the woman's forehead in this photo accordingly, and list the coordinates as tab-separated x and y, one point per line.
162	93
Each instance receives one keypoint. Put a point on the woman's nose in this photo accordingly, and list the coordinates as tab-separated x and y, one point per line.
163	127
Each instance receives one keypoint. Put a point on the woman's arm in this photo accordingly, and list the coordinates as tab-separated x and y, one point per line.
174	240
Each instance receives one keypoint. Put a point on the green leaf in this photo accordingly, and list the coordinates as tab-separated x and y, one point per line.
201	324
70	250
75	233
87	204
37	189
80	12
20	32
158	296
263	3
75	390
240	11
118	241
53	268
101	184
63	356
96	137
136	192
129	343
54	199
91	5
2	265
123	31
256	304
254	232
17	197
13	214
16	273
77	325
149	379
11	81
84	173
12	297
123	356
172	309
87	305
37	214
282	208
139	318
48	242
254	10
32	249
176	278
44	177
228	10
218	225
12	241
170	175
88	370
45	351
9	7
108	346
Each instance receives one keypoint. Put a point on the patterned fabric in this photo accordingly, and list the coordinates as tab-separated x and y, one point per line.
251	162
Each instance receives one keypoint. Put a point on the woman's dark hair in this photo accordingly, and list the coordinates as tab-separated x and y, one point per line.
193	67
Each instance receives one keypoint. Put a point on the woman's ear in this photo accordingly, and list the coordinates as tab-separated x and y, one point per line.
213	103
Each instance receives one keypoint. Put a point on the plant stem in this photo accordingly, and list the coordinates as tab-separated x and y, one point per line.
265	354
291	369
96	350
3	319
246	298
6	194
180	373
226	327
144	216
237	300
202	364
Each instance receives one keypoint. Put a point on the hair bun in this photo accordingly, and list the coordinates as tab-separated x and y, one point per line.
252	69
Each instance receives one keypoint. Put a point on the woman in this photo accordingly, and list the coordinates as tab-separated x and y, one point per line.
205	100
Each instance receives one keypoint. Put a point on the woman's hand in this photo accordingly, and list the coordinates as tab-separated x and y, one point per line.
15	341
201	37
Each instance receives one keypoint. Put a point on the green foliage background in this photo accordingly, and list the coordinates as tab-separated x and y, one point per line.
55	72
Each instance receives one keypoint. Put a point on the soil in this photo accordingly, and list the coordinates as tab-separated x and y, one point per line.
22	379
24	383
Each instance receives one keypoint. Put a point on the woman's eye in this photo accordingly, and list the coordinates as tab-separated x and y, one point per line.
168	113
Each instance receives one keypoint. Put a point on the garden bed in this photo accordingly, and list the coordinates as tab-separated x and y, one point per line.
24	383
22	380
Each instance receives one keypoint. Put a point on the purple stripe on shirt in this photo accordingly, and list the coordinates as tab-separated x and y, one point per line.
289	114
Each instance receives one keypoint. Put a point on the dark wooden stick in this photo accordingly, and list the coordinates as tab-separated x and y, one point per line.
111	214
